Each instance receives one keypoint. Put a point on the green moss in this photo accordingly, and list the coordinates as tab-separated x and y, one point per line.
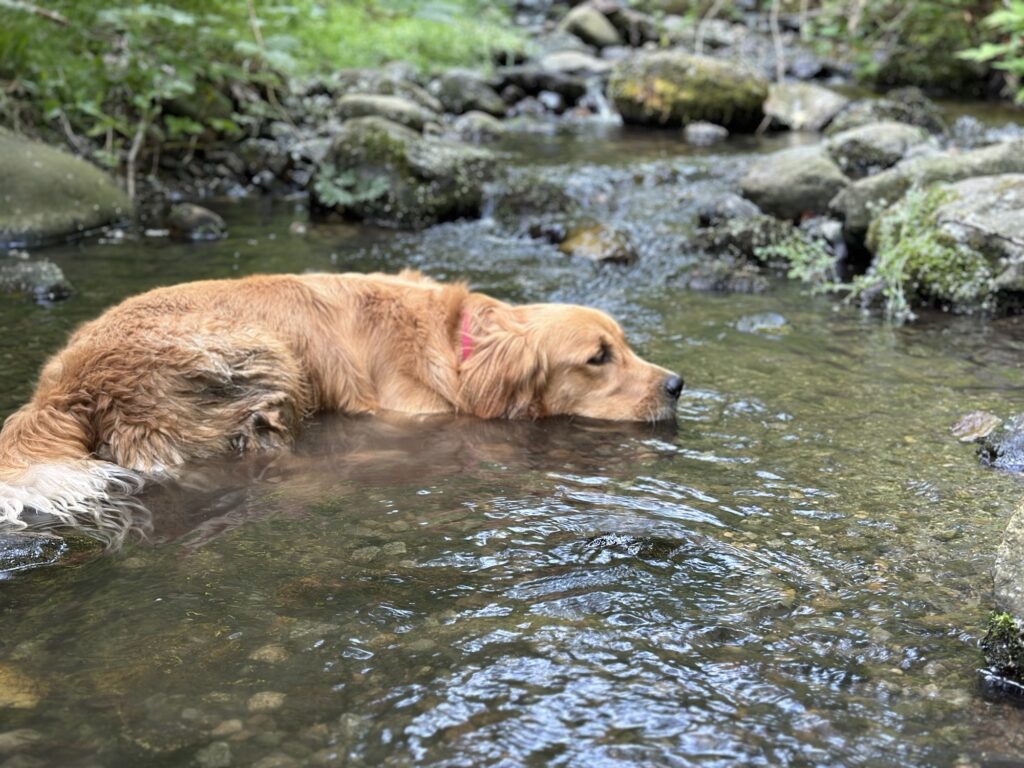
916	264
1003	645
809	259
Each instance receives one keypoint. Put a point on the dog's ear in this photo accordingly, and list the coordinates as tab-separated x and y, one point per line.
505	370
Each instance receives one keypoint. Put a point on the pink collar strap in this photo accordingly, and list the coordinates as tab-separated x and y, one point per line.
467	339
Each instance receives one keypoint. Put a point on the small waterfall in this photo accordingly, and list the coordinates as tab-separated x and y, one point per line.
597	102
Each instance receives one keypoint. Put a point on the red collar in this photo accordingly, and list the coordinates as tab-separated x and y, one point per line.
467	339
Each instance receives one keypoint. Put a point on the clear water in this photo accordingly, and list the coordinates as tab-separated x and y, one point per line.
794	573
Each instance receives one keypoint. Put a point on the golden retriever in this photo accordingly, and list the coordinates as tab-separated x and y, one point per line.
193	371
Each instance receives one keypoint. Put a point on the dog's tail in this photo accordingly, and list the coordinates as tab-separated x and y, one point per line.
49	478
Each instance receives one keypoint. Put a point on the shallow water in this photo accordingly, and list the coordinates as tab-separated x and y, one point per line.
793	573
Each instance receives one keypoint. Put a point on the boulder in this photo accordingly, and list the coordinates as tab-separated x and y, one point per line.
532	79
478	127
21	550
397	109
599	243
193	222
385	173
522	199
721	209
1003	448
704	134
802	106
591	26
858	203
575	63
635	27
47	195
386	82
40	280
671	88
463	90
904	105
872	148
794	182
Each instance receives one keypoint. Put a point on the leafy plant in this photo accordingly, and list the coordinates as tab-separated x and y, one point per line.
1008	53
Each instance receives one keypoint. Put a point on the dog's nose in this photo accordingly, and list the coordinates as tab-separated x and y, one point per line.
673	386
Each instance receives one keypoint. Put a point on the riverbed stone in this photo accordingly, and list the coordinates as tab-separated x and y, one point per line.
720	209
532	79
465	90
858	203
265	701
17	689
19	739
187	221
478	127
873	148
21	550
48	196
217	754
591	26
672	88
397	109
575	63
903	105
794	182
600	243
975	426
388	174
704	134
520	200
803	106
388	81
1003	448
38	279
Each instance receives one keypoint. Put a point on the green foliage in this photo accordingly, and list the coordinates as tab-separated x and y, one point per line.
1008	53
809	259
345	188
916	264
1003	645
121	77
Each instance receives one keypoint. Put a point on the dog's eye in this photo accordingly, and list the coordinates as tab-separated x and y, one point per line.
602	357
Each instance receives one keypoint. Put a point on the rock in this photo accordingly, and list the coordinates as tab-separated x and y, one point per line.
531	79
904	105
18	690
728	206
385	173
764	322
17	740
478	127
794	182
214	755
724	275
575	63
40	280
872	148
1003	643
530	196
385	82
857	204
556	41
263	155
969	132
48	196
591	26
743	237
1003	448
599	243
265	701
397	109
463	90
975	426
671	88
802	106
271	654
21	550
193	222
703	134
634	27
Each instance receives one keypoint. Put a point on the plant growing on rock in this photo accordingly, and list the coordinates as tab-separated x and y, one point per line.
916	264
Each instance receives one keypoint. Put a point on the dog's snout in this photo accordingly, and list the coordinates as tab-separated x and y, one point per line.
673	386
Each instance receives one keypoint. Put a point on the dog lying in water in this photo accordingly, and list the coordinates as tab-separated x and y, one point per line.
193	371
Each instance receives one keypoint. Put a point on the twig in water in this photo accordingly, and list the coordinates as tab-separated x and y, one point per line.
780	54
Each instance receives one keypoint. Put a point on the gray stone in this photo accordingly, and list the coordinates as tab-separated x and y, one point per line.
872	148
214	755
382	172
40	280
905	105
600	243
704	134
725	207
187	221
48	196
591	26
672	88
1009	566
975	426
397	109
464	90
575	63
858	204
803	106
794	182
384	82
531	79
478	127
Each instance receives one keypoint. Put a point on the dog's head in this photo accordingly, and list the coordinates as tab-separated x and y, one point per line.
558	360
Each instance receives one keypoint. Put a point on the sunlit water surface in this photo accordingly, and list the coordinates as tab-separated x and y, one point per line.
794	573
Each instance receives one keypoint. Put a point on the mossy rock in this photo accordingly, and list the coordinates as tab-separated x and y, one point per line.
600	243
858	204
524	198
48	195
397	109
672	89
385	173
40	280
903	105
1003	645
873	148
464	90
